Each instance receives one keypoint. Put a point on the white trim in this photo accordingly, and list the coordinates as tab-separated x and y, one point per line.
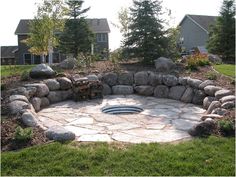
197	24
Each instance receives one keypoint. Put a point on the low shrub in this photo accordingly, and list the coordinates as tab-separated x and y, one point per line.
211	75
193	61
23	135
25	76
226	127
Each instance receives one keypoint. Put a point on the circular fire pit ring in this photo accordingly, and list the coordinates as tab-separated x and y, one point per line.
121	109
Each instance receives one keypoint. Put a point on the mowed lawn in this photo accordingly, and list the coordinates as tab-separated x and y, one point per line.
213	156
228	70
14	70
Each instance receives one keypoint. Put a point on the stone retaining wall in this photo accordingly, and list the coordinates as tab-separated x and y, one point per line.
26	101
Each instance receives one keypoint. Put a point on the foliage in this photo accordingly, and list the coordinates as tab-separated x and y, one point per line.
193	61
23	135
123	16
228	70
14	70
44	27
77	36
146	38
116	56
211	75
214	156
86	59
227	127
25	76
222	34
172	47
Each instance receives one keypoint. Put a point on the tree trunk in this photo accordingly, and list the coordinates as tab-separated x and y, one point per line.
42	58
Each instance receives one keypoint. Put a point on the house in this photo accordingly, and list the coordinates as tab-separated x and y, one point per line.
8	55
100	28
194	31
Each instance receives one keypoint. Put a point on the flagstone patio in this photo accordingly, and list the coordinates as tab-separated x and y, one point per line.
163	120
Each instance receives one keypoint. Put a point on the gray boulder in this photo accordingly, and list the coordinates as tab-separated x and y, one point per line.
163	64
170	80
213	105
29	119
227	99
42	71
106	89
205	83
161	91
219	111
183	80
122	90
110	79
57	96
52	84
188	95
195	83
214	58
19	91
17	106
203	129
198	97
44	102
36	102
177	92
41	89
65	83
141	78
69	63
92	77
211	90
145	90
222	93
207	101
126	78
154	79
18	97
228	105
59	133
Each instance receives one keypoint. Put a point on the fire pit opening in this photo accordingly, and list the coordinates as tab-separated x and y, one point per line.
121	109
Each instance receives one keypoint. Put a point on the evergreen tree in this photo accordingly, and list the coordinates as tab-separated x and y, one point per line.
222	34
76	37
146	38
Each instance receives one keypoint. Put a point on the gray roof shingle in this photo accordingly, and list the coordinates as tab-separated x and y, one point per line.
8	51
99	25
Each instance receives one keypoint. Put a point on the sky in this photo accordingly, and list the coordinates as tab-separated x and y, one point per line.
11	11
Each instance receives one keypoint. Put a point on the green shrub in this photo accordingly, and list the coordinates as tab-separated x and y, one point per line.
25	76
23	135
196	60
211	75
226	127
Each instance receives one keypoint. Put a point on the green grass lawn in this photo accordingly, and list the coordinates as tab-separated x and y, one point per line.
13	70
213	156
228	70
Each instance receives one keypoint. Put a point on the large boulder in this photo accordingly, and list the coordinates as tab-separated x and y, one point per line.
188	95
227	99
213	105
106	89
36	102
42	71
20	91
195	83
145	90
219	111
214	58
69	63
41	89
207	101
18	97
110	79
205	83
228	105
122	90
126	78
161	91
44	102
203	129
198	97
52	84
17	106
163	64
183	80
92	77
29	119
57	96
141	78
211	90
170	80
65	83
59	133
222	93
177	92
154	79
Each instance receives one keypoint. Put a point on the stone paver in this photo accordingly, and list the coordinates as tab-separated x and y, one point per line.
163	120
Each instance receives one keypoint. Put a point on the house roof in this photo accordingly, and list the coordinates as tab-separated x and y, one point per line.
203	21
8	51
99	25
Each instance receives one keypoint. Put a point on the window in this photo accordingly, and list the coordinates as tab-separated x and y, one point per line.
101	37
37	59
27	58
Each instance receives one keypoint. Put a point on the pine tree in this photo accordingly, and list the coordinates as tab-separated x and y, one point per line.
222	34
146	38
76	37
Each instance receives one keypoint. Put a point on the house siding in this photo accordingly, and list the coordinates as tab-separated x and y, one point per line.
22	49
193	35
